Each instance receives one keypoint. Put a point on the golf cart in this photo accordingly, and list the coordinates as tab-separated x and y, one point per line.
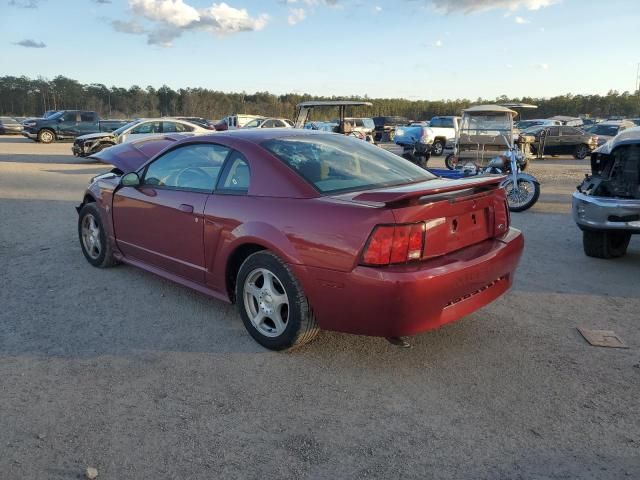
486	143
303	113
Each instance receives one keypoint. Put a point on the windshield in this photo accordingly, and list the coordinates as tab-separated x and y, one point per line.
605	130
534	130
524	124
486	124
121	130
335	163
55	115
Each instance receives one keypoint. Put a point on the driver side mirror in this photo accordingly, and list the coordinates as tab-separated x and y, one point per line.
130	180
60	120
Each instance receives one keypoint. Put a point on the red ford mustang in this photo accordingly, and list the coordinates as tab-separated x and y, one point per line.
303	230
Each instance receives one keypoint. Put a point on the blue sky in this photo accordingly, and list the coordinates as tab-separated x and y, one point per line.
416	49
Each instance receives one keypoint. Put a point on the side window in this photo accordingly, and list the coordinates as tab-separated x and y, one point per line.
169	127
193	167
181	127
70	117
236	176
280	124
87	117
554	131
567	131
147	127
269	124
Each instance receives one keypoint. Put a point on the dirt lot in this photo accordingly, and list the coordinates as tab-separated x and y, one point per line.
141	378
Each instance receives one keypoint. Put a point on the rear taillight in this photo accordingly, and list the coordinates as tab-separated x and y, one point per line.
389	244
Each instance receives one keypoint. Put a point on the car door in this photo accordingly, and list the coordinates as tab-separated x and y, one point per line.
160	222
143	129
552	141
67	124
568	140
88	123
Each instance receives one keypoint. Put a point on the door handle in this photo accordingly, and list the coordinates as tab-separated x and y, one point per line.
186	208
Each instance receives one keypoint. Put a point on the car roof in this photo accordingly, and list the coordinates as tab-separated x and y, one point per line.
616	123
334	103
489	108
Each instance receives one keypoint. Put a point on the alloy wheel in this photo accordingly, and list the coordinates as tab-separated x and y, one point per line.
91	236
266	302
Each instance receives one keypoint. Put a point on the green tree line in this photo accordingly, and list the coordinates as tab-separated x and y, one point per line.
23	96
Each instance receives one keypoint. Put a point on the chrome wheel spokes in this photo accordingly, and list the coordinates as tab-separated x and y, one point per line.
91	236
266	302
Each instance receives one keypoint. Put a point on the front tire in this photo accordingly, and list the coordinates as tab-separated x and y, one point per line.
272	304
438	148
581	152
524	196
95	244
46	136
451	161
605	244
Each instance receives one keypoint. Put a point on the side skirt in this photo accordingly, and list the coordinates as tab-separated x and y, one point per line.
174	278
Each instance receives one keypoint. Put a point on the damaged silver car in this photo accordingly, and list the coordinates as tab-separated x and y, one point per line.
606	205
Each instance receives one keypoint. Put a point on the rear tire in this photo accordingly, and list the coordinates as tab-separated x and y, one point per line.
581	152
46	136
438	148
272	304
605	244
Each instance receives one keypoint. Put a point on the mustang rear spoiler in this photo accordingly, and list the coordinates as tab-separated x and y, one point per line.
428	188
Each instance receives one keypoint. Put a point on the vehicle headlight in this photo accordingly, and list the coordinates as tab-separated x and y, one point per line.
399	131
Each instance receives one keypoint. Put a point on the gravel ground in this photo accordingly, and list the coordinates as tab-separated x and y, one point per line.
141	378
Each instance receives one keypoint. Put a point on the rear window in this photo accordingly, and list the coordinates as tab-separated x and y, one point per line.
440	122
335	163
605	130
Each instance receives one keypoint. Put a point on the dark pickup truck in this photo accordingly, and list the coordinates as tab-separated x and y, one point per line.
67	124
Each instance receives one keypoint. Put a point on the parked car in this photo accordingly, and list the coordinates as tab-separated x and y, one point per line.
64	124
9	125
201	122
385	127
568	121
561	140
232	122
269	123
636	121
609	129
606	205
534	122
303	230
86	145
444	128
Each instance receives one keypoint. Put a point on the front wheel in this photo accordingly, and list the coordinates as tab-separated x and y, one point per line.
605	244
95	243
451	161
523	196
272	304
581	152
46	136
438	148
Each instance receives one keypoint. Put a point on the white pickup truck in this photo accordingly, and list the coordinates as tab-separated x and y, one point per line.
444	128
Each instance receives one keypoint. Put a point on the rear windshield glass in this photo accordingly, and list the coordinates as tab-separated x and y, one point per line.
335	163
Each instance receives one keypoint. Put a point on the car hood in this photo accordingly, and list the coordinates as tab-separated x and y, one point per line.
93	136
129	157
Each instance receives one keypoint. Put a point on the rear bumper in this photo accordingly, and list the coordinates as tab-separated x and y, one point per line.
603	213
409	299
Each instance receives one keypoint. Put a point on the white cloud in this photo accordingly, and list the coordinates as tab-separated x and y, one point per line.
521	20
377	9
472	6
542	66
169	19
437	43
172	12
296	15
